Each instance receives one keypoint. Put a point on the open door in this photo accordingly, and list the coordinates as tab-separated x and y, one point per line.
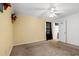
48	31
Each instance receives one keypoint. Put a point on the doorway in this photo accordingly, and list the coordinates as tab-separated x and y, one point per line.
48	31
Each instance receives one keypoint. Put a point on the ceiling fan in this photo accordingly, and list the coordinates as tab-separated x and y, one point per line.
51	11
53	8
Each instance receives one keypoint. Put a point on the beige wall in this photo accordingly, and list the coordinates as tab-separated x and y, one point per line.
25	30
5	32
28	30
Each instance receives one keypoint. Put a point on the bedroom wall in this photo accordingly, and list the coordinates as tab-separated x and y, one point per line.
5	32
28	29
72	29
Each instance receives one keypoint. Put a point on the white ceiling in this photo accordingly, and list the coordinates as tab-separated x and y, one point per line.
40	9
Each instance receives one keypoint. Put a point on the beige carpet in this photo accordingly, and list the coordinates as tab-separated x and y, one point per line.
45	48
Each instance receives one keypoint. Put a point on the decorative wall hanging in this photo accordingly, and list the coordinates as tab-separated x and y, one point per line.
1	7
13	17
6	5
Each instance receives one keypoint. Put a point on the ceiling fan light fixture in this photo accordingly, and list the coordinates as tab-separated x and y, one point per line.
51	16
52	9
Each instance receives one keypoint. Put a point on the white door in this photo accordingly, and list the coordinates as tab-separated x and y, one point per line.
63	31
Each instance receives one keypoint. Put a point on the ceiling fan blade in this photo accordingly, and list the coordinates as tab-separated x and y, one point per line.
59	11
